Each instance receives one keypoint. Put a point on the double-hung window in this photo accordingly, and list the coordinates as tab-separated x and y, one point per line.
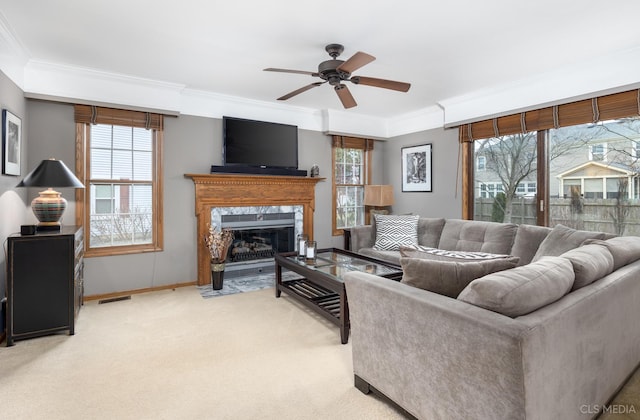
351	171
119	156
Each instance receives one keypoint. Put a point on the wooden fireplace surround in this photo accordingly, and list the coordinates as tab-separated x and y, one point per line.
233	190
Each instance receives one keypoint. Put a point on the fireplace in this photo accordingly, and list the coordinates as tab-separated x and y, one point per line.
213	191
259	236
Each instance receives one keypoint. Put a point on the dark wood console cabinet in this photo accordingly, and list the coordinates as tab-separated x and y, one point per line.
44	282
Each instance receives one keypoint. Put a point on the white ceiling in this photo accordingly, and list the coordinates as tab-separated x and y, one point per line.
445	49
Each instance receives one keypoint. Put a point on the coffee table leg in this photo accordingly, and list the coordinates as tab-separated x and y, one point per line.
278	279
344	317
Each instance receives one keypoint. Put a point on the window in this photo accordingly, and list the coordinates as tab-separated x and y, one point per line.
585	173
119	156
481	163
598	152
352	170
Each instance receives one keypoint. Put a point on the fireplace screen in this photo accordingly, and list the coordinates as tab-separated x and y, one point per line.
259	236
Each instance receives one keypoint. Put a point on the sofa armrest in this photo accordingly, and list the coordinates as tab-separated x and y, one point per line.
435	356
362	237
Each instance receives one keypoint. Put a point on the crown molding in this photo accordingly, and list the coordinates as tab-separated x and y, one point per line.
423	119
13	55
84	84
598	76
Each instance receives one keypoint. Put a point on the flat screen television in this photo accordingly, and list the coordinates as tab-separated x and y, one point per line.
259	144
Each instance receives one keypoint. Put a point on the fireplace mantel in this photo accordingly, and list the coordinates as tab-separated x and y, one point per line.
233	190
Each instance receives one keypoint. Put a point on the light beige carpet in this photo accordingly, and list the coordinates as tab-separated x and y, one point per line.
175	355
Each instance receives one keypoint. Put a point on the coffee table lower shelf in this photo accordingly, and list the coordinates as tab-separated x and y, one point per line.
320	287
325	299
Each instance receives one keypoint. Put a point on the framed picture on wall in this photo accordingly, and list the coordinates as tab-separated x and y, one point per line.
416	168
11	143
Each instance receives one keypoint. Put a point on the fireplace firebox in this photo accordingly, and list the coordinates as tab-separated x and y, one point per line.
258	237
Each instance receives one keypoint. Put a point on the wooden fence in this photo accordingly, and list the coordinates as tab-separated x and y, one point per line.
595	214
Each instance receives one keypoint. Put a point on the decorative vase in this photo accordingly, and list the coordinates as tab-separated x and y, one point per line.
217	275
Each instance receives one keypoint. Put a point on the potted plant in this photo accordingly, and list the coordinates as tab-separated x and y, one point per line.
218	242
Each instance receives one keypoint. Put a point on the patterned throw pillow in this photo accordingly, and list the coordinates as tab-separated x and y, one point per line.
393	231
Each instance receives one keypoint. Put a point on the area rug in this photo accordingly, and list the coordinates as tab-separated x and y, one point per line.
241	284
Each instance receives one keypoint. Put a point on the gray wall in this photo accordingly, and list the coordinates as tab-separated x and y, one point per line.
444	200
13	201
192	145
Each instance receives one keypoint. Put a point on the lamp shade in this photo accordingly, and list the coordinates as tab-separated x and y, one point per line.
51	173
378	195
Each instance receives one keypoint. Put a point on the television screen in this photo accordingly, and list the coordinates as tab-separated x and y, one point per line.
260	144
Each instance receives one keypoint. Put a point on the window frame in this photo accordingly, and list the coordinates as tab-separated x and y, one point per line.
349	143
125	118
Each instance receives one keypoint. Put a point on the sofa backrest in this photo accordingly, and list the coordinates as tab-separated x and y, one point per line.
429	231
473	235
527	242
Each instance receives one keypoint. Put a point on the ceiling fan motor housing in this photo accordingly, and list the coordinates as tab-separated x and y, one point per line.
327	70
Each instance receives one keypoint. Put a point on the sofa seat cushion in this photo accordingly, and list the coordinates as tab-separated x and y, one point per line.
449	278
446	255
392	232
562	239
521	290
474	235
590	263
624	249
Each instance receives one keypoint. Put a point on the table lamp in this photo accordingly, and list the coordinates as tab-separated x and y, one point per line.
378	196
50	205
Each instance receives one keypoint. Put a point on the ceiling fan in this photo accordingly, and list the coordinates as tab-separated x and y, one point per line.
336	71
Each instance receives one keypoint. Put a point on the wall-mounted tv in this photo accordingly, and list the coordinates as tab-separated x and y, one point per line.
259	144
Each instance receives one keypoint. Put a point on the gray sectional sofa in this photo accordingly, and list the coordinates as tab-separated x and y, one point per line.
553	335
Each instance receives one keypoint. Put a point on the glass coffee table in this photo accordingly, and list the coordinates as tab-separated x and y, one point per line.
321	287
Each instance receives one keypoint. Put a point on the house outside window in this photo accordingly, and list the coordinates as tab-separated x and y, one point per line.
352	171
119	153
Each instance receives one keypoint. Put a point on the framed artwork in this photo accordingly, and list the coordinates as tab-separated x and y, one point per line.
11	143
416	168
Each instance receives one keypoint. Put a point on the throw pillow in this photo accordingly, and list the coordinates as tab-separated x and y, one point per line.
624	249
562	239
590	263
448	278
420	251
523	289
393	231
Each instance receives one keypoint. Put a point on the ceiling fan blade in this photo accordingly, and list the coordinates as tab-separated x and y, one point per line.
299	91
345	96
356	61
310	73
381	83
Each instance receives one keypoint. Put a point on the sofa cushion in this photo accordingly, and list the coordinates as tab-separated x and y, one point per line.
521	290
448	277
527	242
474	235
590	263
394	231
446	255
429	231
624	249
562	239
